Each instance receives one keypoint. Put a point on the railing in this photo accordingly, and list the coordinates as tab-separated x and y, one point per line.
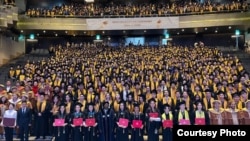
139	16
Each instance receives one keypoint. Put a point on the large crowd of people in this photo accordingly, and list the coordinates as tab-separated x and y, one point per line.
100	93
166	9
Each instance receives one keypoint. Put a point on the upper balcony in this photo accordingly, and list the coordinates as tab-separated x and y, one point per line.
125	22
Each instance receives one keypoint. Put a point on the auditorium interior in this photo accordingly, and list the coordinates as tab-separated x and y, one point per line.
188	49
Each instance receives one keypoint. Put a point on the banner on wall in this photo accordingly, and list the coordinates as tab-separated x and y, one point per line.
133	23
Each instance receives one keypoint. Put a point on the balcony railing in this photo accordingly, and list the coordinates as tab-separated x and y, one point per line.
137	15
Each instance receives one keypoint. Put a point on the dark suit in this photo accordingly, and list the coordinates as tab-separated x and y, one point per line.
23	121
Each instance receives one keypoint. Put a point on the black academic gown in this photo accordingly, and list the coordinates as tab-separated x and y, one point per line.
153	127
41	124
137	134
90	133
122	133
167	132
77	132
193	116
106	125
61	133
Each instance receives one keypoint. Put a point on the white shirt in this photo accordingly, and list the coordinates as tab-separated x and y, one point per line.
10	114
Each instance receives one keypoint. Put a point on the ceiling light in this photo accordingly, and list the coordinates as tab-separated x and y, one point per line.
182	30
66	32
44	31
229	27
216	31
178	33
196	32
22	31
55	34
205	28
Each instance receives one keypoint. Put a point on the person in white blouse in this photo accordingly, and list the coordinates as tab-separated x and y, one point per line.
10	113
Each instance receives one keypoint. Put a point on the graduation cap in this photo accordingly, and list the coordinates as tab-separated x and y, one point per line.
219	84
130	94
243	92
182	102
91	104
136	104
63	104
78	104
150	100
230	84
56	96
105	102
166	105
154	92
142	96
197	102
122	102
41	93
79	84
235	94
208	90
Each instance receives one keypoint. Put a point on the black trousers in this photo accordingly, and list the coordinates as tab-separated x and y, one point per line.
40	126
24	132
8	133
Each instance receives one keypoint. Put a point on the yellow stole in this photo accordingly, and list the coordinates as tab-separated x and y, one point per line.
160	96
68	107
181	117
42	107
18	72
167	100
199	93
12	72
116	106
90	97
199	115
53	76
83	105
206	104
57	83
239	105
187	103
97	105
173	93
22	77
141	107
163	116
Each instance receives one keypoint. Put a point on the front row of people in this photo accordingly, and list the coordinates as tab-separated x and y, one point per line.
107	125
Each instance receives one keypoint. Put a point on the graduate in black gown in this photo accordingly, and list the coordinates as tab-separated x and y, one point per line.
153	122
122	131
199	113
61	132
90	131
41	116
106	123
167	115
137	133
77	131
